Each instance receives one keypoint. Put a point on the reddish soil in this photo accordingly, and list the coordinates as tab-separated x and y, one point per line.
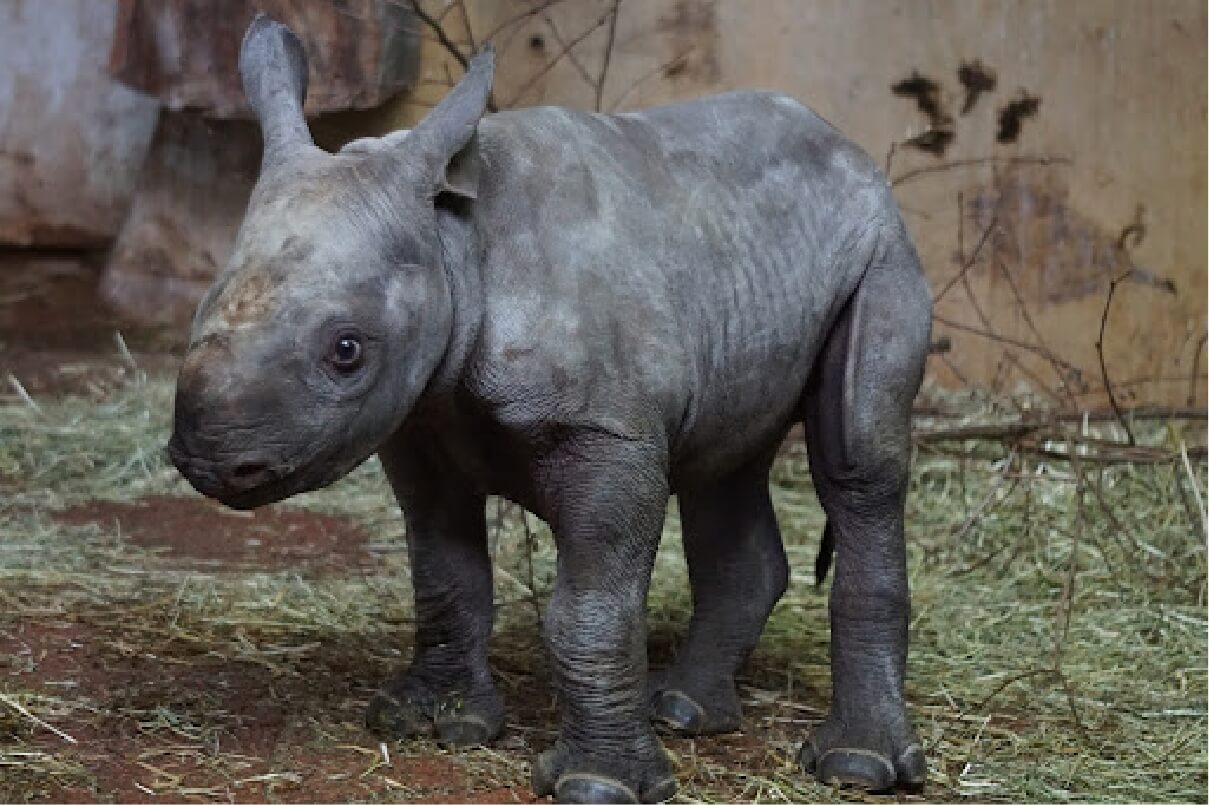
199	728
195	532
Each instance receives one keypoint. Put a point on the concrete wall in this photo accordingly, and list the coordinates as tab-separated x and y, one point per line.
1117	142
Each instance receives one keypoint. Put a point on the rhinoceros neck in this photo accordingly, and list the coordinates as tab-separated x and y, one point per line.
459	250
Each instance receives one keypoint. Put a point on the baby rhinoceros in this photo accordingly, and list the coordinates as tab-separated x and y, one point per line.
585	314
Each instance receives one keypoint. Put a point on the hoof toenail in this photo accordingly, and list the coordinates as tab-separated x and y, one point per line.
591	788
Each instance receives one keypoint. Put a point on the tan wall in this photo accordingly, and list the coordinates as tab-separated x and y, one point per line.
1121	123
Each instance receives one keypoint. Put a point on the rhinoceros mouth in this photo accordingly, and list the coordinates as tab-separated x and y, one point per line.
246	482
243	481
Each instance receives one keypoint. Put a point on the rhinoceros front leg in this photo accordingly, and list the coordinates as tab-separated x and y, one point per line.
858	430
605	500
448	687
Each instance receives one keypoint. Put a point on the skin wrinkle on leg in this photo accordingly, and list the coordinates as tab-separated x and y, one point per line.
612	498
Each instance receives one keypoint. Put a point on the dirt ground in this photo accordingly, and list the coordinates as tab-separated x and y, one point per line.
155	646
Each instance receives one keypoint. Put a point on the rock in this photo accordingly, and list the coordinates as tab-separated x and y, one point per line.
186	52
191	197
71	138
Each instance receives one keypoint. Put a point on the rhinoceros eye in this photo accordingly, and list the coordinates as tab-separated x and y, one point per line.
347	352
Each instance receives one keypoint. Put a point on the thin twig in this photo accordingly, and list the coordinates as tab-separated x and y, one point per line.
1038	381
23	394
1047	353
642	79
969	262
449	45
1003	339
992	499
530	547
439	30
608	56
521	17
1008	431
1074	711
1196	359
15	705
571	57
1066	604
461	4
1006	683
1108	389
1196	487
532	80
907	176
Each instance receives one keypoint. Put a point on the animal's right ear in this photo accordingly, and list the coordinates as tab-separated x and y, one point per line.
272	64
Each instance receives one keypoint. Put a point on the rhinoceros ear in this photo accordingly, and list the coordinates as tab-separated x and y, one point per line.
272	64
439	140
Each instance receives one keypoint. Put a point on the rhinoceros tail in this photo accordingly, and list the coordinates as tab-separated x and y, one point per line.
822	562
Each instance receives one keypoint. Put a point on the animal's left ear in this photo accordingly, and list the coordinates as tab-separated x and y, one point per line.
439	142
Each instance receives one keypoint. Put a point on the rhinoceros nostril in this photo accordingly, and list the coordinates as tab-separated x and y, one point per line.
250	474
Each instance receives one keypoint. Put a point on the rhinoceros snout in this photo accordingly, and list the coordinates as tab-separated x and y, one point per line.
234	479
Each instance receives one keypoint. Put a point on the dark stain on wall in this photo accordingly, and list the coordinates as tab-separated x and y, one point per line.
692	27
976	78
1054	252
1013	115
926	93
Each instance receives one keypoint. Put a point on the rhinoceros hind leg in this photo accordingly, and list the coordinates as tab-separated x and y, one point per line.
858	431
738	572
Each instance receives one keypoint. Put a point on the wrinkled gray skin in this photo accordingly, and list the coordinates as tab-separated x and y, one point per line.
585	314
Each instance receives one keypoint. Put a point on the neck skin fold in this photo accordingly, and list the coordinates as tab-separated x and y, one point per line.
458	238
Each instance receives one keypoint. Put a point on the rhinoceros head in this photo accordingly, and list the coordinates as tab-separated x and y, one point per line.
335	310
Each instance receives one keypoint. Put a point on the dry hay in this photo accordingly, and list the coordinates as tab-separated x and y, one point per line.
1058	632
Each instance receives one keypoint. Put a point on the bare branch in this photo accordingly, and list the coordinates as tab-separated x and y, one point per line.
970	261
642	79
1047	353
442	37
1003	339
521	17
1108	389
1193	385
461	4
608	56
562	43
448	44
548	66
907	176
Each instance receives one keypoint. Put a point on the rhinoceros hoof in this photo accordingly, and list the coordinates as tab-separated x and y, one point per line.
402	711
570	776
686	708
681	713
875	763
390	716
